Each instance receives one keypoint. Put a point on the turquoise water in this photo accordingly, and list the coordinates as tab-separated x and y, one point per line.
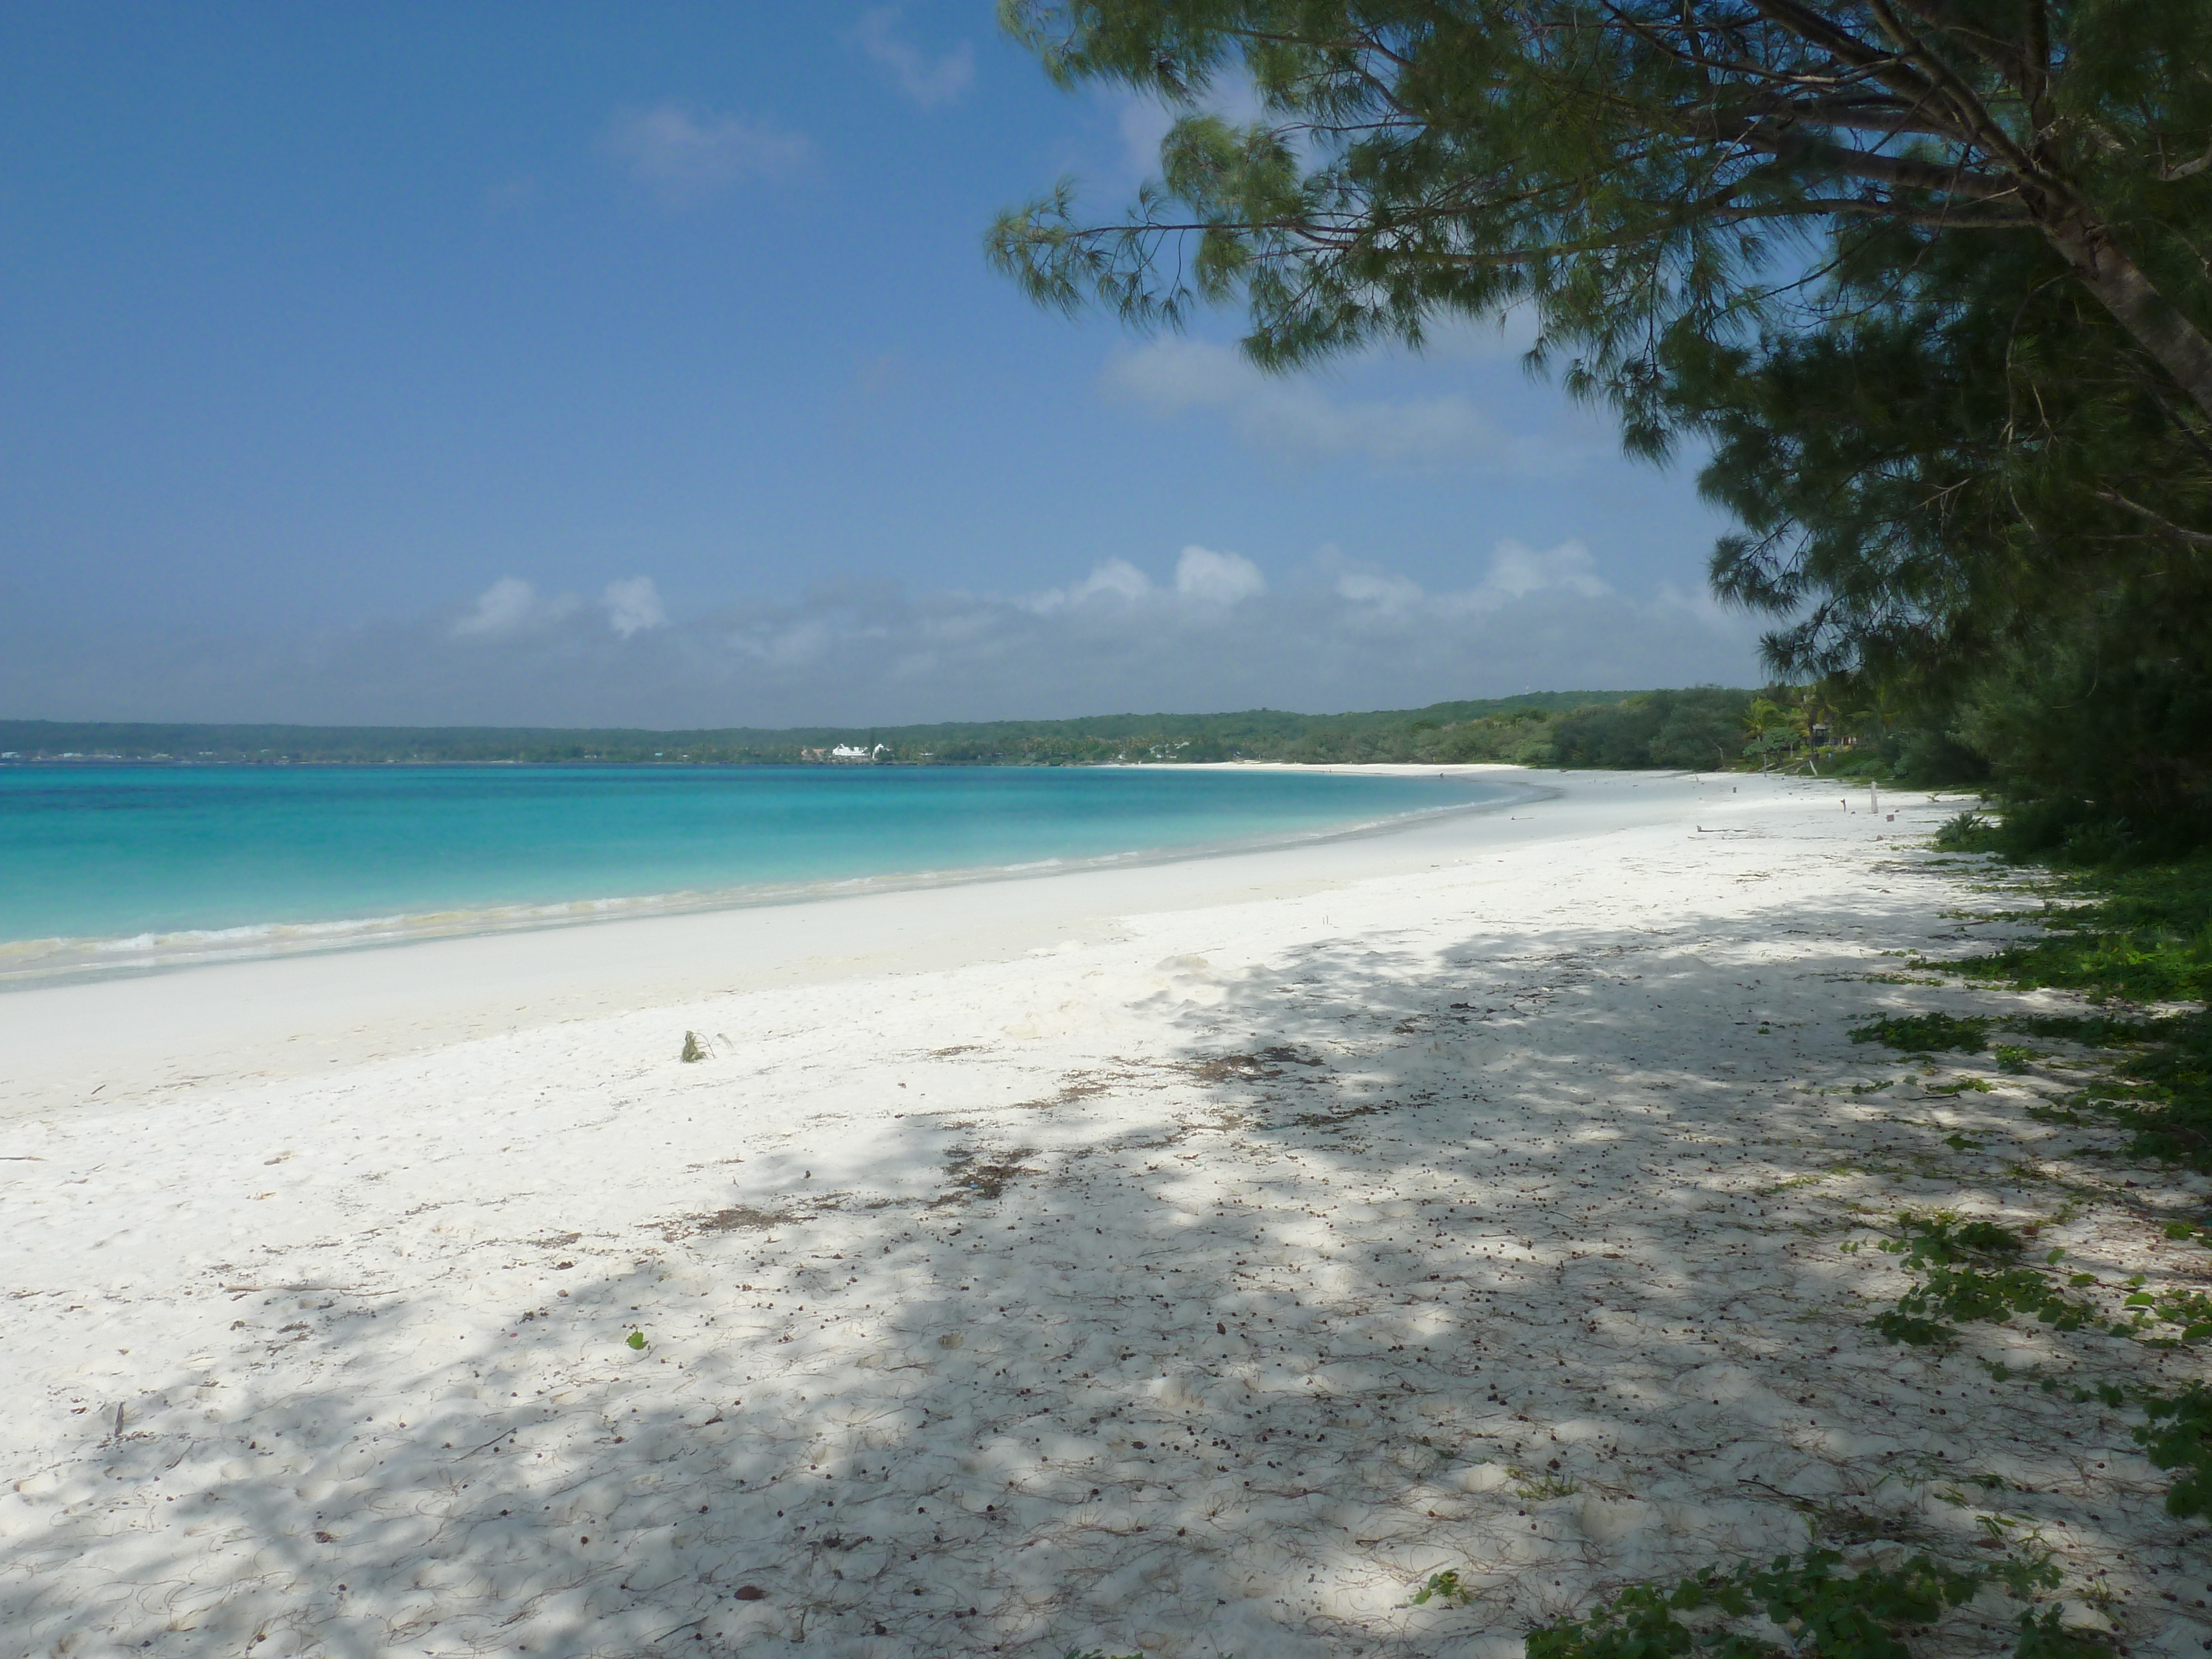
130	866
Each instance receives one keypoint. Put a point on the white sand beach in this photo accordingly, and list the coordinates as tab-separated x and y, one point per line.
1186	1260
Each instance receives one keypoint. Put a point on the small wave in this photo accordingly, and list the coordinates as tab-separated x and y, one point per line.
199	939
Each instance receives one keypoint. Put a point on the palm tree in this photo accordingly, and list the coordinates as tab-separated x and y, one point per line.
1765	715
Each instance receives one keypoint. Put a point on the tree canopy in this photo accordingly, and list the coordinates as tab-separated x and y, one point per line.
1926	278
1631	167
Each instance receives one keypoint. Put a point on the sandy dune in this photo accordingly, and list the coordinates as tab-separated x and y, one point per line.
1188	1260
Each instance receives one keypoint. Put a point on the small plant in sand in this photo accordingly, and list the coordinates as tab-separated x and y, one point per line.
2183	1232
1970	1271
694	1050
1532	1488
1826	1607
2177	1435
636	1341
1958	1085
1923	1034
1444	1587
2147	1311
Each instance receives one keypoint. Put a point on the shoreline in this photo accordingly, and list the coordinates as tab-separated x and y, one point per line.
32	963
274	1014
1187	1261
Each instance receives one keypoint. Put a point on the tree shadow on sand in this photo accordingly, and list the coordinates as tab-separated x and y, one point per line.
1519	1261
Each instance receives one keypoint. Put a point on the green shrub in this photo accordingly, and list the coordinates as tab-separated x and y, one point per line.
1863	1614
1925	1033
1698	727
2178	1436
1967	832
2042	1636
1936	759
2090	1031
1970	1273
2143	934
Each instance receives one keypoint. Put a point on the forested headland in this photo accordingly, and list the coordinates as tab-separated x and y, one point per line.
1697	728
1703	726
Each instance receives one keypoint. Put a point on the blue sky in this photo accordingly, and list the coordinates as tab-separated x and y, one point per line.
563	364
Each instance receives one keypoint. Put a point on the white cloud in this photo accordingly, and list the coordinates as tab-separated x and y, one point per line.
634	605
1516	570
1171	375
1393	596
1218	578
510	605
929	81
684	159
1204	581
1116	579
1297	417
783	644
1217	635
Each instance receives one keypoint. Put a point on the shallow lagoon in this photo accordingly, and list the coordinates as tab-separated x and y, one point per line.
133	866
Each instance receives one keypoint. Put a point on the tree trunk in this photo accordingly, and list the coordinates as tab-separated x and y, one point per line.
2120	284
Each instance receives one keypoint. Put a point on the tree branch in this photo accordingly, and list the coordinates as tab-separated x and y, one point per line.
1975	113
2181	170
2166	525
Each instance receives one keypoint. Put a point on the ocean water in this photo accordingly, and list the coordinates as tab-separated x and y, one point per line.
109	868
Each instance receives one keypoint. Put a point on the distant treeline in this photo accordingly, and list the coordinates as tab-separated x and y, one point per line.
1698	727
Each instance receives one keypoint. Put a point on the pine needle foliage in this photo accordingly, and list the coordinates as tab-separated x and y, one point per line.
1635	169
1926	280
